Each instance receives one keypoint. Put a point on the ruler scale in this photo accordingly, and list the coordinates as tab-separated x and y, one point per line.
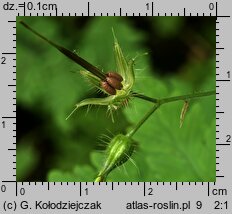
121	197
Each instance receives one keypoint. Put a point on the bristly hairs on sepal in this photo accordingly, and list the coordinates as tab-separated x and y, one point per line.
125	69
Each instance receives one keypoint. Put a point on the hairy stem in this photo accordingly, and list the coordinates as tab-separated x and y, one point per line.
142	121
159	102
144	97
176	98
187	97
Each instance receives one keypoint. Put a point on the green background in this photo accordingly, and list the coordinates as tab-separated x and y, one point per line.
180	60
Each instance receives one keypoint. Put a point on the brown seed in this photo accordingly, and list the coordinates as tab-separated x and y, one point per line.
115	75
105	85
114	83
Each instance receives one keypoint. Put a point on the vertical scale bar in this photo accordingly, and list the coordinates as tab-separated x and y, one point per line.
12	67
217	93
219	80
14	98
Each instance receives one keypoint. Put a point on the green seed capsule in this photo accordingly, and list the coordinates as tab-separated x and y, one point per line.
118	152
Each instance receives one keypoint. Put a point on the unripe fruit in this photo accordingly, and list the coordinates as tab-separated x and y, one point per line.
115	83
115	75
119	150
109	89
112	82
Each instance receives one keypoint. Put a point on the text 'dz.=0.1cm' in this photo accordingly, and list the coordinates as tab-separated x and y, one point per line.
28	7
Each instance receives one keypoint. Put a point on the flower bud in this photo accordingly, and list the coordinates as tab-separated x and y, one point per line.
118	152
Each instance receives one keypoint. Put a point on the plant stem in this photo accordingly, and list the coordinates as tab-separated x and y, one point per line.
186	97
142	121
144	97
176	98
159	102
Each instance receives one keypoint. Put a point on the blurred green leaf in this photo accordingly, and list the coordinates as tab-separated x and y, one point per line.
27	159
167	148
169	25
79	173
